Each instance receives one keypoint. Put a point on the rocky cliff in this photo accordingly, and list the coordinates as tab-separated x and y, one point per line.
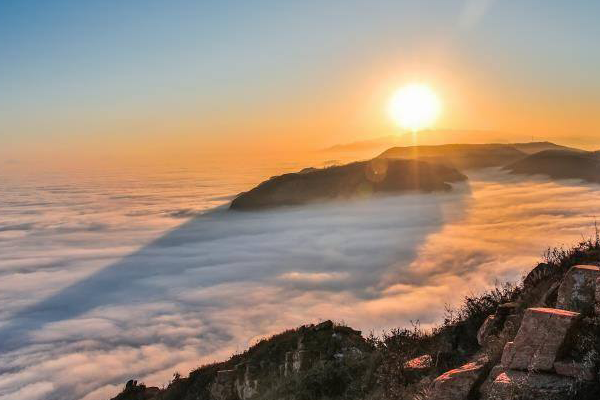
536	340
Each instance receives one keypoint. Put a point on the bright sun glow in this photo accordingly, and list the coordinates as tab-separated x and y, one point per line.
414	106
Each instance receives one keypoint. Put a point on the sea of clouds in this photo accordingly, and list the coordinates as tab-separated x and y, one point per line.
119	277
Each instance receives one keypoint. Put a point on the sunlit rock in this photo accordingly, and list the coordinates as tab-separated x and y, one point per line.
577	290
510	385
540	336
456	384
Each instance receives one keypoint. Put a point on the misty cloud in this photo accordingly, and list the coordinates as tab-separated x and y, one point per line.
87	309
16	227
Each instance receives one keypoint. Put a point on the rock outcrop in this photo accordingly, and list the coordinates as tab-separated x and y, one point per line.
223	387
498	327
512	385
456	384
239	383
578	288
487	330
246	379
533	365
541	335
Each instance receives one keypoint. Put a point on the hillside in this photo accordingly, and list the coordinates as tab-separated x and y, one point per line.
536	340
461	156
417	168
535	147
560	164
341	182
431	137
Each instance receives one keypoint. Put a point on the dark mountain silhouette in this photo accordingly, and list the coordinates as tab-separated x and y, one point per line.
535	147
459	155
340	182
560	164
432	137
422	168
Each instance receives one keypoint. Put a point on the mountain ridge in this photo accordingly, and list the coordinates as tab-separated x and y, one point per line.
560	164
358	179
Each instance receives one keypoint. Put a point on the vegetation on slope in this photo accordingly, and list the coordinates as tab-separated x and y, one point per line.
462	156
560	164
339	182
535	147
381	368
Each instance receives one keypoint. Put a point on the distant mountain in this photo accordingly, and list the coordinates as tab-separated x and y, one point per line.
441	137
535	147
560	164
375	144
423	168
338	182
459	155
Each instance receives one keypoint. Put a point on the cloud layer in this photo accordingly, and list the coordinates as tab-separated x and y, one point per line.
105	283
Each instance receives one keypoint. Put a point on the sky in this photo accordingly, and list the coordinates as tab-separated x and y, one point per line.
163	79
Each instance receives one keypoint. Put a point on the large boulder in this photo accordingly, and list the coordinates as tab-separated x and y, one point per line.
510	385
487	329
485	387
456	384
500	325
577	290
538	274
540	336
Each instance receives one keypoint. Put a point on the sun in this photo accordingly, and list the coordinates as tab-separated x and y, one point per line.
414	106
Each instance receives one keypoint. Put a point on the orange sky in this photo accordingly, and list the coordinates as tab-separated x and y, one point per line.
174	83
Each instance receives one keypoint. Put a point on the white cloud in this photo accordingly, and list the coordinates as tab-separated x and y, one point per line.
83	316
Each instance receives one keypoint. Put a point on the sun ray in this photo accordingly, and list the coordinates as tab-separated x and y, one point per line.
414	107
